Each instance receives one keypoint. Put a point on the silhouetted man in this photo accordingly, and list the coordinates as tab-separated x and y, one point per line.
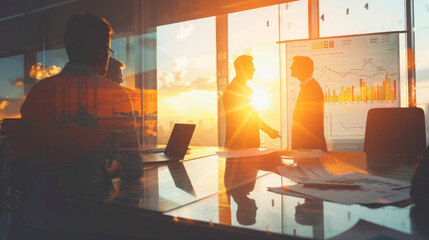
71	123
114	73
114	70
307	127
238	172
242	119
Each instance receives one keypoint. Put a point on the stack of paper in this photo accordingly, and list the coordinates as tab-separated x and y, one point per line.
373	189
253	152
249	152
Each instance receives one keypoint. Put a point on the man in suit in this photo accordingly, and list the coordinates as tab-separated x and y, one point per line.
242	119
307	127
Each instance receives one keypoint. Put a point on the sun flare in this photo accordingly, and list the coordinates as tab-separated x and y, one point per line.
260	99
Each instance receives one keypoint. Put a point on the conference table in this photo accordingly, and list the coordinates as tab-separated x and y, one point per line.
206	196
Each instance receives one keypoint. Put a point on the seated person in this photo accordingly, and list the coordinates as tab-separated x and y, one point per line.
114	70
71	126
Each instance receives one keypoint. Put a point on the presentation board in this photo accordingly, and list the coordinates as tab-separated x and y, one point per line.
356	73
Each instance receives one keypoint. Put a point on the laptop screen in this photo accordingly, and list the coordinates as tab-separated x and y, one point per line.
179	140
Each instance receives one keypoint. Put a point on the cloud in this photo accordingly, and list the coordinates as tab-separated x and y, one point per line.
17	82
201	83
204	83
3	104
176	77
38	72
171	83
185	30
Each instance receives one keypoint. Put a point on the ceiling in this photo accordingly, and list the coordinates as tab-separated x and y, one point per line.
33	24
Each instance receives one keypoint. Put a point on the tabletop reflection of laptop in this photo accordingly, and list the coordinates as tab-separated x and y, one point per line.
177	145
181	178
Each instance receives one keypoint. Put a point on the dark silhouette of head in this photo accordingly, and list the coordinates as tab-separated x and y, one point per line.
87	41
114	70
246	210
244	68
302	67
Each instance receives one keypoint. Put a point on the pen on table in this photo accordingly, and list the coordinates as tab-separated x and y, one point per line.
400	188
330	185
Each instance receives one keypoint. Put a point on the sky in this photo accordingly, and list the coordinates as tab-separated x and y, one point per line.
186	69
11	70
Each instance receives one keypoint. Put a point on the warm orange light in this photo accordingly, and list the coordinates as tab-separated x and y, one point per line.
38	72
260	99
17	82
3	105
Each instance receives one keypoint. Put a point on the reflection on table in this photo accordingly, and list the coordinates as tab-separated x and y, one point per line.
233	193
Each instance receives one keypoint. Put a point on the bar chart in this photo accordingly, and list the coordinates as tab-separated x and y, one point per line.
363	92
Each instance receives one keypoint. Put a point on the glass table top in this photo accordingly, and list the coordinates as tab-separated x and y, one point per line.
233	192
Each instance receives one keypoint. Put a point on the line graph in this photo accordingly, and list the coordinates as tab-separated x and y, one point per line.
320	72
350	127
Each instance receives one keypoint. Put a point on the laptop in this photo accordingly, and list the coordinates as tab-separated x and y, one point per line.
177	145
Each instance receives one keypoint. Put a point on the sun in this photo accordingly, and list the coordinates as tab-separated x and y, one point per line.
260	99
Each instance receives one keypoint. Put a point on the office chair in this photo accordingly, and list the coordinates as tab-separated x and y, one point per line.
395	130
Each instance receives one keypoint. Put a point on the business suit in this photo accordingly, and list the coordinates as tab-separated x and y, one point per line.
307	127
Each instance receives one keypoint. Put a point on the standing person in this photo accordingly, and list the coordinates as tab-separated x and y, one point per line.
307	127
242	119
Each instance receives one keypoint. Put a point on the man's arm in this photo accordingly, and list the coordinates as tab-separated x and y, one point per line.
274	134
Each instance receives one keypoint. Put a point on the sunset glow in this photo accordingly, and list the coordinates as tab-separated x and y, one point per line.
3	105
38	72
260	99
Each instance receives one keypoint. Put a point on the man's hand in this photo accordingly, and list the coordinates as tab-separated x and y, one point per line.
274	134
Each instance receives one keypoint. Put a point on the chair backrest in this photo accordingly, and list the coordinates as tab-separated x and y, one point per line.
395	130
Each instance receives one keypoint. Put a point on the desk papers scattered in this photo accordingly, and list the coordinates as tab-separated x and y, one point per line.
249	152
301	154
367	230
253	152
373	189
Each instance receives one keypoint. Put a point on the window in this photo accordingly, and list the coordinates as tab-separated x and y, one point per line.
421	30
293	20
48	63
255	33
12	84
346	17
186	73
